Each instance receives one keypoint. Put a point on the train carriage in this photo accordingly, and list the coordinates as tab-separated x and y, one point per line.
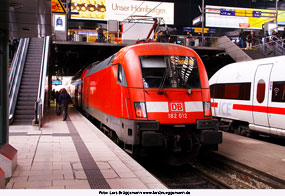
151	95
249	97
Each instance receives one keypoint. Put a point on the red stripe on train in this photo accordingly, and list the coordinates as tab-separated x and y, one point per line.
214	104
263	109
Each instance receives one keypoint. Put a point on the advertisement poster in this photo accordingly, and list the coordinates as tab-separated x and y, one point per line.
59	23
233	17
120	10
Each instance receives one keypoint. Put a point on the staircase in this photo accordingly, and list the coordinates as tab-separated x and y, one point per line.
255	54
232	49
24	112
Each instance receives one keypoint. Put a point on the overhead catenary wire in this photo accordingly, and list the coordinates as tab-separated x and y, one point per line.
144	15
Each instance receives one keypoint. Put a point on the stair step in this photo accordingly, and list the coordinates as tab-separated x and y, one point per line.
25	102
29	86
21	116
24	112
30	83
27	99
32	66
33	60
30	79
27	96
29	57
22	122
28	90
30	73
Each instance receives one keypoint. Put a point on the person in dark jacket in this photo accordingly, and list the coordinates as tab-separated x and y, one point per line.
64	100
57	106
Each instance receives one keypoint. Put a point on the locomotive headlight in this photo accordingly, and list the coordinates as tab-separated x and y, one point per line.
207	109
140	109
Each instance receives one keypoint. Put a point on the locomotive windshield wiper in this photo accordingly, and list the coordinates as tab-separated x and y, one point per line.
161	85
162	82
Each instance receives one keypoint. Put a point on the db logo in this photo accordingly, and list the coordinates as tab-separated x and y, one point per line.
176	107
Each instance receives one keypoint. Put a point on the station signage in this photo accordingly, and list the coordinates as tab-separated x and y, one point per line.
234	17
57	7
198	30
59	22
120	10
198	20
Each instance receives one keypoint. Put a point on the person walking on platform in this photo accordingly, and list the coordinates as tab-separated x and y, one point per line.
57	106
242	37
100	34
64	100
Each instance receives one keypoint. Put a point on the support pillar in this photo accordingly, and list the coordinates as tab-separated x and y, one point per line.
4	130
8	154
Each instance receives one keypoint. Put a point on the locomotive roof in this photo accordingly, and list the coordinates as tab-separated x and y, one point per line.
95	67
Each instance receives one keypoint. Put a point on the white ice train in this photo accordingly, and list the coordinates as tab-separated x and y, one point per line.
249	97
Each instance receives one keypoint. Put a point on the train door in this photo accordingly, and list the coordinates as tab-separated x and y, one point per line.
87	93
276	106
260	95
124	93
76	95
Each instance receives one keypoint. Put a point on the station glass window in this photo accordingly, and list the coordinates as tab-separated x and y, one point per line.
278	91
170	71
260	94
236	91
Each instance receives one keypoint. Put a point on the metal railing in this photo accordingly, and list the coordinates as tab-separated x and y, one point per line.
271	45
16	75
39	104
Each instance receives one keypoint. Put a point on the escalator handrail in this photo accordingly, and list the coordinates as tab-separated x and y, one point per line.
15	85
42	81
14	65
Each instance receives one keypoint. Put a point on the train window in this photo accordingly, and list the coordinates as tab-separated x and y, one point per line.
102	65
121	76
260	95
278	91
237	91
170	72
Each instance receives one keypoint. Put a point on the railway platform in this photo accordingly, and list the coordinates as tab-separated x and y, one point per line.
73	154
263	156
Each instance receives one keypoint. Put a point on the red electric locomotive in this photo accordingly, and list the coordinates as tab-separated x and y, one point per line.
151	95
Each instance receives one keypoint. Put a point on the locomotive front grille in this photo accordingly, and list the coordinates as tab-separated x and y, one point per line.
148	125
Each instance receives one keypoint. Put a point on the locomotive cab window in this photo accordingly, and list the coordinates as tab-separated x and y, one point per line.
121	76
170	72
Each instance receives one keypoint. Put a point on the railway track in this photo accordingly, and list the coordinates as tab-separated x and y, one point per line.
226	173
212	171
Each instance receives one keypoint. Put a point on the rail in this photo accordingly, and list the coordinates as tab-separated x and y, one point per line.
236	175
39	104
16	75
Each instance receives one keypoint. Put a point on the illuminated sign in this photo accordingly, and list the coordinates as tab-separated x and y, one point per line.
120	10
59	22
57	7
232	17
198	30
56	82
197	20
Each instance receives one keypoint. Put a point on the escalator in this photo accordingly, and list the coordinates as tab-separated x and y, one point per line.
28	82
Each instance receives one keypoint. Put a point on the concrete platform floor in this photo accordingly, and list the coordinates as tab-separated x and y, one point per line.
73	154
